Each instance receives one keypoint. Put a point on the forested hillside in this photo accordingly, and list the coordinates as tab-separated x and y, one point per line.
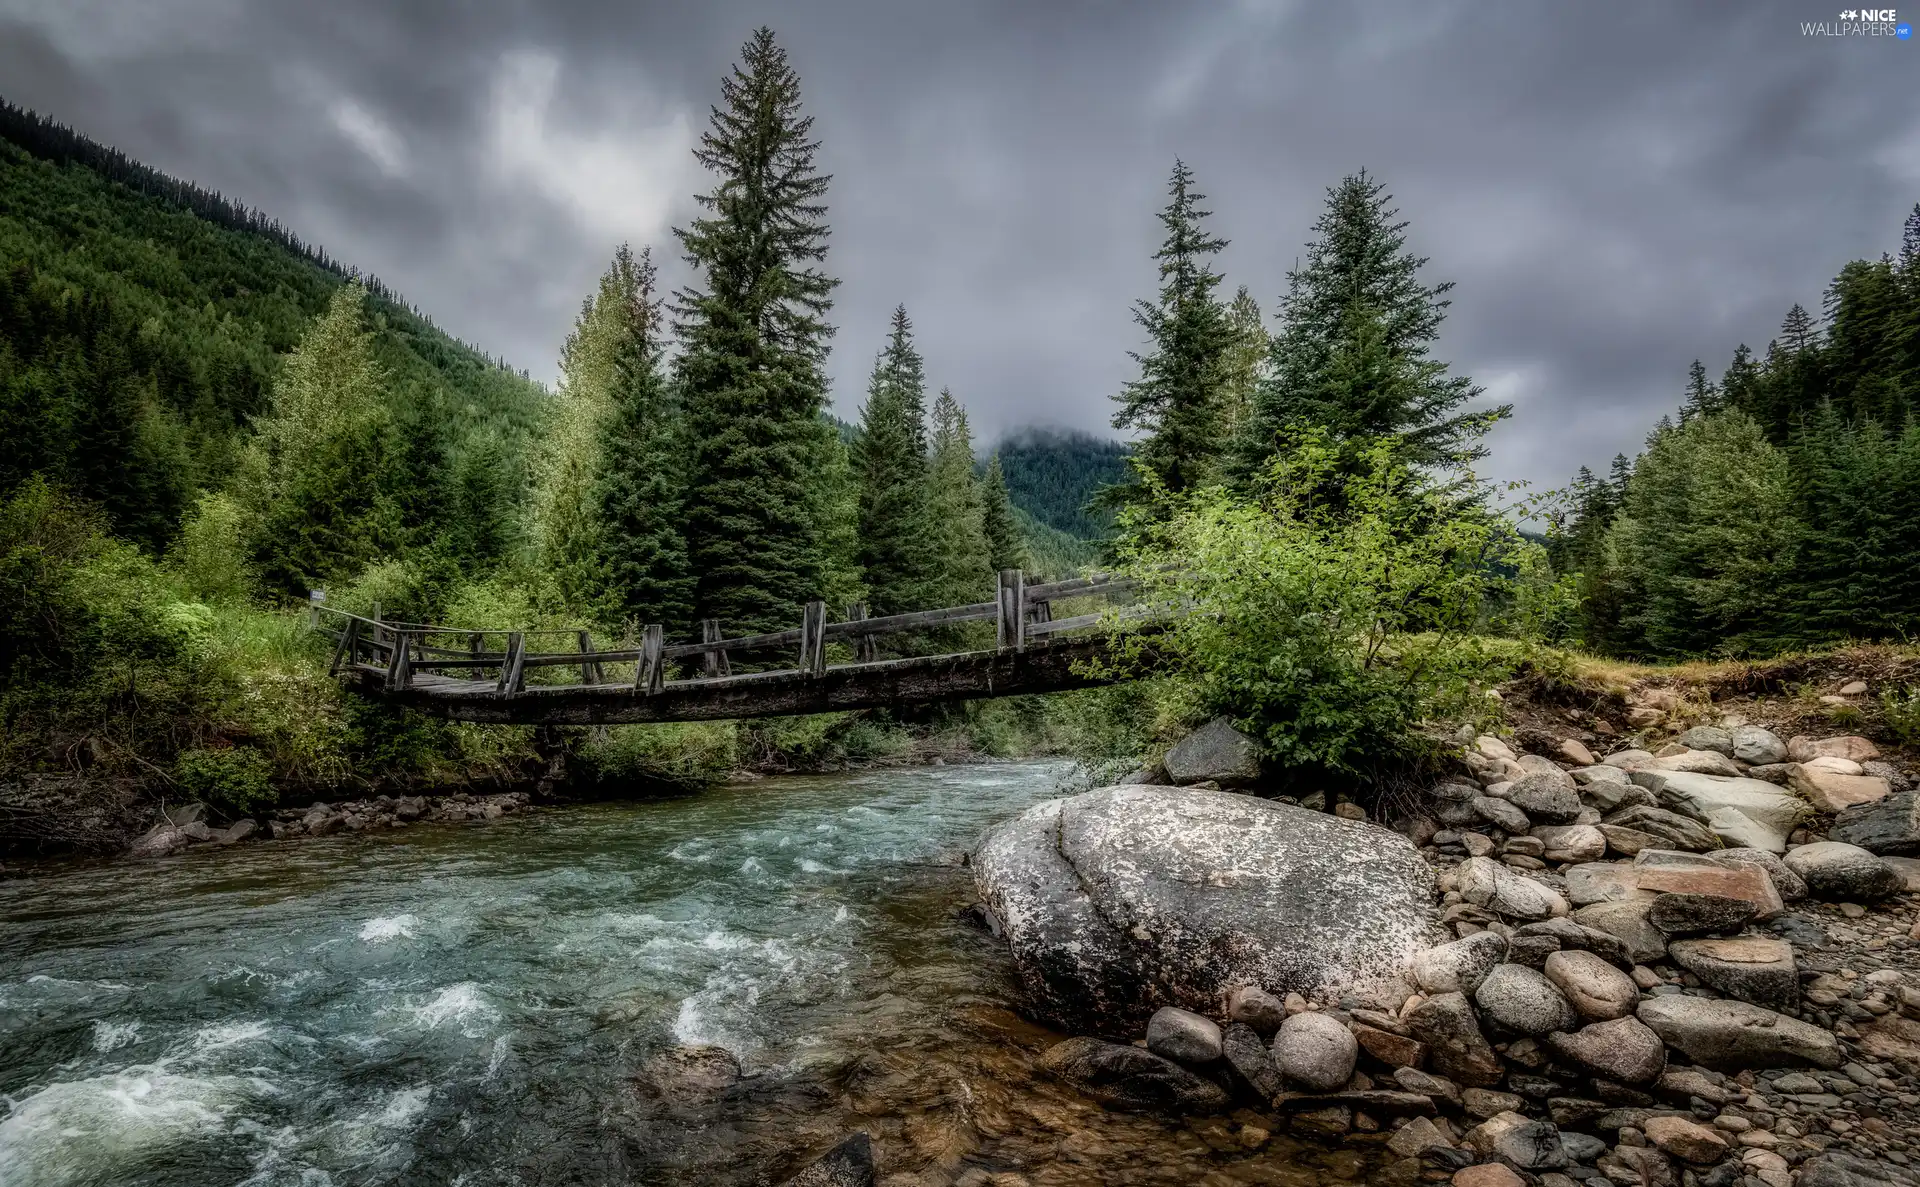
142	321
1780	506
1053	475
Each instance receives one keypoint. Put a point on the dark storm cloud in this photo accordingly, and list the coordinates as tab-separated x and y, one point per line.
1614	188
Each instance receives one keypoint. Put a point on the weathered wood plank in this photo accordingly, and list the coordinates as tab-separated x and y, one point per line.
512	673
650	674
713	659
1011	627
347	648
1047	665
813	638
865	649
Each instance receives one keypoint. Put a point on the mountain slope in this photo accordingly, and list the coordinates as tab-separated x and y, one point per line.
1053	474
145	317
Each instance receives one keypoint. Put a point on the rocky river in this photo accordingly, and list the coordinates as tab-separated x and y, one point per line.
524	1000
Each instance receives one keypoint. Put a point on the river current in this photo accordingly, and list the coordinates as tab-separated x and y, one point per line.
487	1004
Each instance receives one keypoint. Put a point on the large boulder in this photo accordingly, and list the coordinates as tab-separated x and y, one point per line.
1546	799
1218	752
1831	790
1315	1050
1758	745
1839	872
1522	1001
1889	827
1126	1077
1487	883
1732	1036
1744	812
1118	901
1750	968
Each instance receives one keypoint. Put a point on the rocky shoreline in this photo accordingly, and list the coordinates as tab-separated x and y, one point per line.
186	827
1696	967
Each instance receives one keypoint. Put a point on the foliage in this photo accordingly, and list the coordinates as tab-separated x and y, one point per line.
959	530
1900	710
821	741
236	779
1006	545
898	547
754	338
1053	475
643	550
690	755
1328	628
210	557
1353	353
1704	539
1179	398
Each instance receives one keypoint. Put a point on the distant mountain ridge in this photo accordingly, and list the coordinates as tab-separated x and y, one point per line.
1053	474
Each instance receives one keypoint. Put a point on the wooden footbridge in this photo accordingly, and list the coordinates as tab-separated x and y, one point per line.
498	675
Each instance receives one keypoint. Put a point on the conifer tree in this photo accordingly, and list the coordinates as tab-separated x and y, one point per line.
309	467
1353	352
958	516
1702	398
643	553
1244	364
754	338
1740	384
1178	401
897	547
567	469
1006	546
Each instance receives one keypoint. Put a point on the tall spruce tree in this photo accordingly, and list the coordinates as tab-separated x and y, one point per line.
1006	546
1702	398
754	340
642	481
1244	364
958	516
1178	400
1353	352
898	540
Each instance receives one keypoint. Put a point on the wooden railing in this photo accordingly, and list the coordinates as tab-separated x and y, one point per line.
1021	612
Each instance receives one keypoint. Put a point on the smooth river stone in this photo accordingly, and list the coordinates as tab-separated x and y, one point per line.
1597	991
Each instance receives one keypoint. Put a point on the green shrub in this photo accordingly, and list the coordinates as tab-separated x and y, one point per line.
1900	709
690	754
237	779
211	558
1329	611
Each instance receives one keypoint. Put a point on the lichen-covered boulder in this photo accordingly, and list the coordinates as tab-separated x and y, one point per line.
1119	901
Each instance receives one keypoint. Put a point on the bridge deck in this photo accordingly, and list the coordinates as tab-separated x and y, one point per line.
1042	666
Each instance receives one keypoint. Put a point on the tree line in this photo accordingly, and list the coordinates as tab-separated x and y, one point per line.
1780	506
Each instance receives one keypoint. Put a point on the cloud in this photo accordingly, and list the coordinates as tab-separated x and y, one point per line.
623	176
1616	189
370	135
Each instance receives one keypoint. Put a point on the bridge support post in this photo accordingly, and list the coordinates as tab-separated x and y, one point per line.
348	648
589	668
512	666
400	661
714	662
650	676
865	650
813	639
1012	627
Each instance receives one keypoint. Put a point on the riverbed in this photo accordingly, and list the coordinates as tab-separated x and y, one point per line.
480	1004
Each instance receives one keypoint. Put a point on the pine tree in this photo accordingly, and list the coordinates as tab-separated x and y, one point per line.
754	340
1739	386
643	553
958	517
1353	351
1702	398
1006	546
897	548
1178	399
309	467
1244	364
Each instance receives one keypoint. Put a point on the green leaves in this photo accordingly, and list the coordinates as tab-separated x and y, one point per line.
1327	626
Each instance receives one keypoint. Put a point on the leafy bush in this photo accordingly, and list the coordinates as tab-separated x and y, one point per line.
236	779
1328	612
211	558
690	755
1900	709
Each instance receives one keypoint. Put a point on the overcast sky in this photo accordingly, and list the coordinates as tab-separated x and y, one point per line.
1615	188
